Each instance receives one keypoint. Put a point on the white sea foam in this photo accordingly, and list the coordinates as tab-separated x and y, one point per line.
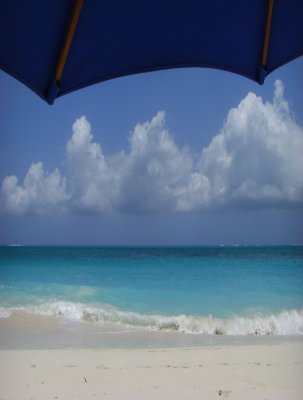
288	322
5	312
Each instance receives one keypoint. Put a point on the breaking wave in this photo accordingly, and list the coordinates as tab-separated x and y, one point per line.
288	322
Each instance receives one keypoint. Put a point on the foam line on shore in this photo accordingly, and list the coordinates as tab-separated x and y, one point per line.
287	322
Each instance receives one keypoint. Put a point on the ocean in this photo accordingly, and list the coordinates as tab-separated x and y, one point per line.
186	291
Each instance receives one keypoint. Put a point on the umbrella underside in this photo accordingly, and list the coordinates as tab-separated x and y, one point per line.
56	47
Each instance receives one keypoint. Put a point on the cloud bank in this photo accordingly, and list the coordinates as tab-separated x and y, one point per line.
255	161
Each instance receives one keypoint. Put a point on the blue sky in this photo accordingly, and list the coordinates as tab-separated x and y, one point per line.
187	156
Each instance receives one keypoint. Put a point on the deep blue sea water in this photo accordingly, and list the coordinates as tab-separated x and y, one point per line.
227	290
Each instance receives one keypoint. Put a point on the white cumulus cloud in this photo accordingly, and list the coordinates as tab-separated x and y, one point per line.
153	169
89	175
255	161
40	193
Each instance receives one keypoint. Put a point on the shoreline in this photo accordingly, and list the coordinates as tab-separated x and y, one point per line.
23	331
49	358
250	371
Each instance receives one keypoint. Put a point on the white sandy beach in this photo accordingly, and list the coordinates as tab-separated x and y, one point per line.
222	372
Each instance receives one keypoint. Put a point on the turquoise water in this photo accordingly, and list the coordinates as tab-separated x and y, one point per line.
229	290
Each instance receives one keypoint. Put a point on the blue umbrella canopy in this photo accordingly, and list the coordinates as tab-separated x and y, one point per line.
58	46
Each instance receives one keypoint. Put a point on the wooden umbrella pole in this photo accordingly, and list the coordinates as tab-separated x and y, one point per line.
68	39
267	32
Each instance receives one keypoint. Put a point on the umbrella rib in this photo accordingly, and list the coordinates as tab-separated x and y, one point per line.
68	39
267	32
